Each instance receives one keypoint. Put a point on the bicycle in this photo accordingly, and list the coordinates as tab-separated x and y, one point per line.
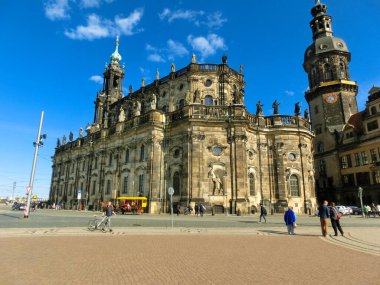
98	223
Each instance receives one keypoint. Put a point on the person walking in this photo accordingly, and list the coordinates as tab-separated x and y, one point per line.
290	220
108	212
334	218
373	210
202	209
196	208
324	215
263	213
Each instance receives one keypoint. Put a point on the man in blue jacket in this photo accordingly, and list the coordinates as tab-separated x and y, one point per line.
324	215
290	220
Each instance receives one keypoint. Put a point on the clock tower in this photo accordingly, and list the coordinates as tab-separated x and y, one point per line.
331	95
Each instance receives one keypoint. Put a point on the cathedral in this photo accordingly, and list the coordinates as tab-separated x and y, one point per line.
347	141
191	131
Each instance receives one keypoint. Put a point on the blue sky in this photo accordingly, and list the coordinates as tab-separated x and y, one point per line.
53	55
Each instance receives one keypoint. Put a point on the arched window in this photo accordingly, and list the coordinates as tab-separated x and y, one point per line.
209	101
165	109
252	189
108	187
328	72
110	160
294	186
176	183
142	153
342	70
125	185
127	155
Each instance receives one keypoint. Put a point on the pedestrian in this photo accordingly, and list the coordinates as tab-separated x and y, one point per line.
374	210
334	218
290	220
263	213
178	210
365	211
202	209
196	208
324	215
108	212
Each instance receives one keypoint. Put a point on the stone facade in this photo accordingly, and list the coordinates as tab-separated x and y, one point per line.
341	132
189	130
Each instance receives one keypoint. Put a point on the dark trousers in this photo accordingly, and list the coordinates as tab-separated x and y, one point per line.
336	226
263	216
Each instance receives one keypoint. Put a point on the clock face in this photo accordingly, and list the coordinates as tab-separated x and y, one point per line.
331	98
292	156
217	150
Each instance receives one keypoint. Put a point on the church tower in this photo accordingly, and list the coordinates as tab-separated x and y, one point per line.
112	87
331	96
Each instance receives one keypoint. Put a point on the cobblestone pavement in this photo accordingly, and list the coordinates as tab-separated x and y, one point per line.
251	253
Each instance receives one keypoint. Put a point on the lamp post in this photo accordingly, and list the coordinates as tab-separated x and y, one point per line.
360	195
37	144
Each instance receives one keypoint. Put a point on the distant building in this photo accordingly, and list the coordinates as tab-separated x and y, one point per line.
347	142
189	130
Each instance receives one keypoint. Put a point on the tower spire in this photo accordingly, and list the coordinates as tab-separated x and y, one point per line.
115	56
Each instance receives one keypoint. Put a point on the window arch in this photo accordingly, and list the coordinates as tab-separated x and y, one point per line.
176	183
125	185
294	185
110	159
209	101
142	153
252	189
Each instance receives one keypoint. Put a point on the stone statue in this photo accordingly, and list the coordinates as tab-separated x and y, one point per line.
71	136
259	109
241	69
81	132
173	67
130	89
58	143
193	58
137	107
197	96
297	109
238	96
306	114
216	181
275	107
188	98
121	115
143	82
157	74
63	140
153	102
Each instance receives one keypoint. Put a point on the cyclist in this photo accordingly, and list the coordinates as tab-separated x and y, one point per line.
108	212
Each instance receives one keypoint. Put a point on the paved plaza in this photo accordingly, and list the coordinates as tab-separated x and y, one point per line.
55	247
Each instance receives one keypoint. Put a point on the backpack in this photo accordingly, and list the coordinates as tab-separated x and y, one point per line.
264	211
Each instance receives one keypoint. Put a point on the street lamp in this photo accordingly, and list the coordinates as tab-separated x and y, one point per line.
360	195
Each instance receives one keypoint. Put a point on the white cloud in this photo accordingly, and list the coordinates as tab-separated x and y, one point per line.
155	57
215	20
97	28
289	93
189	15
176	49
126	25
57	9
90	3
206	45
97	79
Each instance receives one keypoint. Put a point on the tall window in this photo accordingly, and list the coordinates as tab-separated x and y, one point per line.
376	177
96	163
176	183
181	104
141	184
343	161
294	187
349	161
93	187
374	155
372	126
125	185
83	165
328	72
209	101
127	155
252	190
320	147
108	188
110	160
142	153
358	161
364	158
322	167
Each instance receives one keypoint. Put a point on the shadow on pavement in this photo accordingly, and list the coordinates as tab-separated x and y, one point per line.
285	233
10	216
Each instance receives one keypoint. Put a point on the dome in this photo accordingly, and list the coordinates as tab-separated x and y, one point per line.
115	56
325	45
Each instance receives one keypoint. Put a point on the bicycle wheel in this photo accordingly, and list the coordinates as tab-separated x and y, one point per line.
92	225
